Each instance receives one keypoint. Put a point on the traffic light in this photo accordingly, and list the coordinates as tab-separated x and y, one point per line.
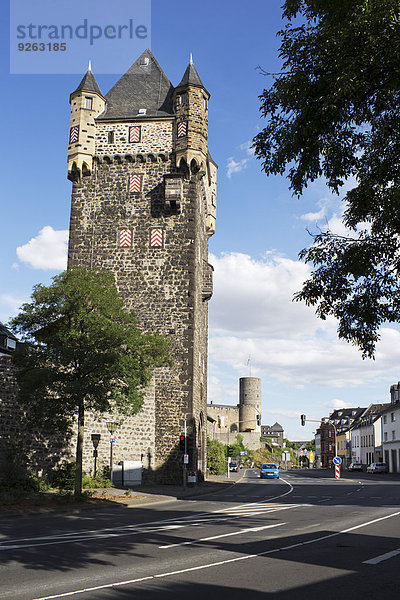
303	419
182	443
230	451
258	419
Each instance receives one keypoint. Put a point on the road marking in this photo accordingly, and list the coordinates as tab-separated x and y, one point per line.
215	564
216	537
381	558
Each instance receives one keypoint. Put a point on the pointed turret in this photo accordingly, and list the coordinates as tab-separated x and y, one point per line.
191	142
87	103
191	107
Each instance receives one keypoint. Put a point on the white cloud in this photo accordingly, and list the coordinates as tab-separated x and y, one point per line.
252	313
246	146
9	305
48	250
234	166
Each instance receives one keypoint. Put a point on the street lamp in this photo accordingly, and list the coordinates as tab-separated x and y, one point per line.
95	442
111	426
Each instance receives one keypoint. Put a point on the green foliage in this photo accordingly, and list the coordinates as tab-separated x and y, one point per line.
63	478
333	112
16	481
82	352
216	457
237	446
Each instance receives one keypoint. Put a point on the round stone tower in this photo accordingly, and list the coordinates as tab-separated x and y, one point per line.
250	404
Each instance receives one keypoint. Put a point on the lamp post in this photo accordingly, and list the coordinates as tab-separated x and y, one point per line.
111	426
95	442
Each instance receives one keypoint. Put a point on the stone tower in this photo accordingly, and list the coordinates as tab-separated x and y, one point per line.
143	207
250	404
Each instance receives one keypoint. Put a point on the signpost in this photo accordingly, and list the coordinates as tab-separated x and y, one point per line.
285	457
337	461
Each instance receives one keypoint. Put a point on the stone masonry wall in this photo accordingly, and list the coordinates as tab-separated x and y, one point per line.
162	285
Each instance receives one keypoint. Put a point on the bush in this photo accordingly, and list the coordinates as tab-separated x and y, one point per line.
63	478
216	460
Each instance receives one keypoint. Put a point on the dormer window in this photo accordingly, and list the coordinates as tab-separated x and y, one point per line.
88	103
144	61
142	111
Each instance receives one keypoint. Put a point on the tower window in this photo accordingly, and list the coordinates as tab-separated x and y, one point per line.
182	129
135	183
88	102
74	134
135	133
110	137
182	99
204	102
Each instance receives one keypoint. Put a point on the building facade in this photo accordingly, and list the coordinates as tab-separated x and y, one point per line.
391	431
143	207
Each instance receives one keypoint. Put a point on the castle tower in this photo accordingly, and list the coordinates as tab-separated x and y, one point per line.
250	404
145	211
86	103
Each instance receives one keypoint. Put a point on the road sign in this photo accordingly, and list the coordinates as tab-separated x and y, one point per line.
337	460
285	455
112	440
337	472
186	459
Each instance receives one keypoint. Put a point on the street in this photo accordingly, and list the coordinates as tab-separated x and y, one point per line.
305	535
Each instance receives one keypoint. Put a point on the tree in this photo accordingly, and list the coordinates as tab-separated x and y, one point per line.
216	461
333	113
82	352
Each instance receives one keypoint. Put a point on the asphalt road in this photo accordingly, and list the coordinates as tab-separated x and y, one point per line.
304	536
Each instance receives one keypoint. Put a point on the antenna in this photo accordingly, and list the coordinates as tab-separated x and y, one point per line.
249	364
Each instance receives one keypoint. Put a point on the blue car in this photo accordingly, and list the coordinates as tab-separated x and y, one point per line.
269	470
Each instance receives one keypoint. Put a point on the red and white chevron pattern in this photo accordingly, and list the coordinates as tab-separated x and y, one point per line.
134	133
125	238
135	183
73	134
156	238
182	129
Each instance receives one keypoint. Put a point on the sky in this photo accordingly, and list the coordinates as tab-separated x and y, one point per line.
255	328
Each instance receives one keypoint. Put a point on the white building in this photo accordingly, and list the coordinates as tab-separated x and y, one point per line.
391	431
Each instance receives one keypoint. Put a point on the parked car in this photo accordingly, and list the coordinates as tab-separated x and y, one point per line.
377	468
233	467
269	470
355	466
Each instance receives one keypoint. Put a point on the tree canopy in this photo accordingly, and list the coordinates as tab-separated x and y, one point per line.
333	112
82	352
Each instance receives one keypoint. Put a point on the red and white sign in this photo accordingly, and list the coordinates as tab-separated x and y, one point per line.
134	133
156	238
135	183
337	471
182	129
73	134
125	238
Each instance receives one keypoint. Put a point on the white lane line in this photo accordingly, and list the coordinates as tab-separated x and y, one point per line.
215	564
216	537
381	558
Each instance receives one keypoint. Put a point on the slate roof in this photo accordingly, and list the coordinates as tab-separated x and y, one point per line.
142	86
190	76
88	83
